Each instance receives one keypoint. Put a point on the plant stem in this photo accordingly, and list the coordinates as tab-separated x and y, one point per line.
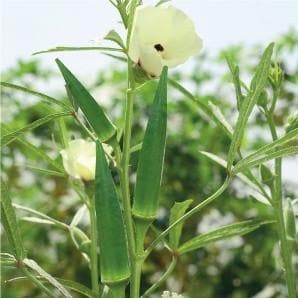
188	215
38	283
162	279
279	213
124	180
124	173
93	251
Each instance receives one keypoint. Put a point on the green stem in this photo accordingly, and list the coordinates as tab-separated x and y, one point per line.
117	291
124	173
162	279
93	253
279	214
124	181
38	283
188	215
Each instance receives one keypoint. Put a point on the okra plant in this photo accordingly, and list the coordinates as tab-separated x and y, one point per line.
121	212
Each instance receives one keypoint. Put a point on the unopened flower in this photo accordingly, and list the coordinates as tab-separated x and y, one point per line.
79	159
162	36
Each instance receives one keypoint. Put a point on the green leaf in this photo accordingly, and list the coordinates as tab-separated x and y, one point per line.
112	240
34	266
236	229
203	107
9	221
272	155
151	156
225	125
8	138
69	284
49	99
7	259
162	2
257	86
177	211
75	49
244	177
115	37
236	80
42	218
93	112
269	148
46	172
39	153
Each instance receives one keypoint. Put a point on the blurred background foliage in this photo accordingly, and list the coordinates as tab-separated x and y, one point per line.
242	267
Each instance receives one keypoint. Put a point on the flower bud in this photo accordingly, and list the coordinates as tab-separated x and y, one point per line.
276	76
79	159
162	36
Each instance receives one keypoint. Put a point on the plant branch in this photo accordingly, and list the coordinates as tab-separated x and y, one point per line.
188	214
277	201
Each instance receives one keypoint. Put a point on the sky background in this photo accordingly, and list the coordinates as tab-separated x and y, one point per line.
30	25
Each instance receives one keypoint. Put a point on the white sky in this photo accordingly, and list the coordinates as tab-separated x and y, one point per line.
30	25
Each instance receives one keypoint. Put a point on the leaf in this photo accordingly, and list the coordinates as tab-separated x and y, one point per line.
177	211
43	218
117	57
9	221
79	215
49	99
35	150
257	86
151	156
93	112
8	138
136	148
69	284
236	80
44	171
269	147
37	220
162	2
34	266
115	37
244	177
114	264
236	229
272	155
75	49
202	105
7	259
225	125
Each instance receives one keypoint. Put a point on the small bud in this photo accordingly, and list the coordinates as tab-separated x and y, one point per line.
266	175
276	76
292	122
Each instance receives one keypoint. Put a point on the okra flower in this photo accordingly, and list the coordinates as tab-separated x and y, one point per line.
79	159
162	36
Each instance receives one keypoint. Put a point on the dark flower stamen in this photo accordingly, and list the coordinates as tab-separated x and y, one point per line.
158	47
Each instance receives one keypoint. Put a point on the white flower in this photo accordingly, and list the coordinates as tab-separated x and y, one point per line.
167	294
162	36
79	159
